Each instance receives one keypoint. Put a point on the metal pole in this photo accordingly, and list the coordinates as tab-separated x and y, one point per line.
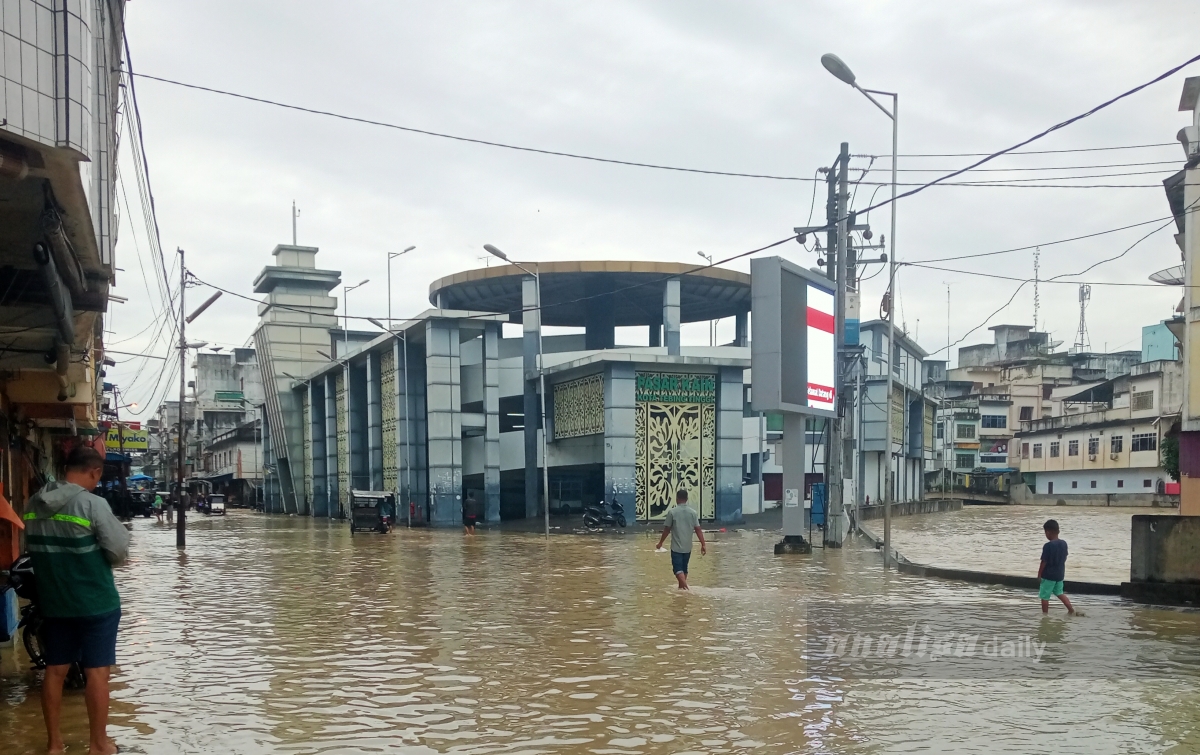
407	430
860	397
180	526
389	276
888	484
833	465
545	420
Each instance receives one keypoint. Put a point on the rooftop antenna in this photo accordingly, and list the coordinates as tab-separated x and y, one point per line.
295	214
1081	338
1037	277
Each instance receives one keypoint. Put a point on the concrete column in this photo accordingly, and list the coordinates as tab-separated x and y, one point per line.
356	404
728	504
671	316
331	459
444	421
656	328
320	491
620	422
374	421
531	325
741	329
410	435
600	314
795	519
491	408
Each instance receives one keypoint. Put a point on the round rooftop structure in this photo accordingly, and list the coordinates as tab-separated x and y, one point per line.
605	293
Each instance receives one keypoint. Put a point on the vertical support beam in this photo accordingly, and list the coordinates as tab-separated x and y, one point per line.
728	489
317	416
444	417
620	423
795	516
600	314
656	328
403	439
491	409
741	329
671	316
356	405
531	320
331	459
374	421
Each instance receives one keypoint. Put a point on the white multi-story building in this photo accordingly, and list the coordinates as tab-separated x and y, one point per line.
1104	441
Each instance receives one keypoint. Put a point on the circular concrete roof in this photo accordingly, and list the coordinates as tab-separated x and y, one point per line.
569	288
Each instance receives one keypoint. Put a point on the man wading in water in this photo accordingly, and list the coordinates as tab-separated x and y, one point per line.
74	541
680	523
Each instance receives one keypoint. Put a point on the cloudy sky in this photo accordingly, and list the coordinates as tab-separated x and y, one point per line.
732	86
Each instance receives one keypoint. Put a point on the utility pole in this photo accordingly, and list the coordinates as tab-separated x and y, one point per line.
180	525
837	265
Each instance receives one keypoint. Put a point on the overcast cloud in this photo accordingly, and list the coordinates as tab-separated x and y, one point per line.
734	86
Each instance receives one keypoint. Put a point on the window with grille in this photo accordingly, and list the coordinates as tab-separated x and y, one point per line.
964	461
1116	443
941	431
1026	412
1037	450
1142	401
1143	442
994	420
1054	446
965	431
1072	448
1093	446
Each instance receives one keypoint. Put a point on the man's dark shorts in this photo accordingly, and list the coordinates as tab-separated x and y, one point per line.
679	562
90	640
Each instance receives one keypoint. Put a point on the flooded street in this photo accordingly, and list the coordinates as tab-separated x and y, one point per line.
1009	539
289	635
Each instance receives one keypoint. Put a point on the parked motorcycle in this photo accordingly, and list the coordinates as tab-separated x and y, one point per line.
21	579
596	516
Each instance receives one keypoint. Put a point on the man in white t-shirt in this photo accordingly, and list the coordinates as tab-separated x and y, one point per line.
681	521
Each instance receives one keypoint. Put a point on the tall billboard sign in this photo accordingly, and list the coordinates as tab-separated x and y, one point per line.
793	348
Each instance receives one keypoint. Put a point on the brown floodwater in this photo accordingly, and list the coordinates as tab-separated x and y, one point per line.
289	635
1009	539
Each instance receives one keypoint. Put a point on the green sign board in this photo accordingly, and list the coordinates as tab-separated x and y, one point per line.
675	387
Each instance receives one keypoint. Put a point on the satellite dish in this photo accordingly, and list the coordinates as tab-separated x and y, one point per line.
1172	276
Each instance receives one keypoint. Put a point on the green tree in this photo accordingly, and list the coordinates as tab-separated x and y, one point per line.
1170	456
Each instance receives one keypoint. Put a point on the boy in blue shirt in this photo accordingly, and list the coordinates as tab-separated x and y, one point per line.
1053	568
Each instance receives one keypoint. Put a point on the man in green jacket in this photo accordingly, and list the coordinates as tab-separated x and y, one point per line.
74	540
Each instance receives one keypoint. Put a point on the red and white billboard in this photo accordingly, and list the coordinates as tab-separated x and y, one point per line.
821	350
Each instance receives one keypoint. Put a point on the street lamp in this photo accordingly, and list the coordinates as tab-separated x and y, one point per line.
391	256
712	326
541	363
838	68
346	308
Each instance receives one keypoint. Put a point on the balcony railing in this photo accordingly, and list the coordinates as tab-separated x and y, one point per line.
1075	420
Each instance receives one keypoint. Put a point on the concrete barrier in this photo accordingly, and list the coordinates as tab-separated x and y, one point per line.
905	566
908	508
1165	548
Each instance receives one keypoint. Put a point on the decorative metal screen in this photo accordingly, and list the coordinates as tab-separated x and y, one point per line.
579	407
391	419
308	447
675	443
343	444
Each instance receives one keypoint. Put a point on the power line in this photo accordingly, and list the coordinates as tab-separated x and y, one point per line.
613	161
1043	168
1040	151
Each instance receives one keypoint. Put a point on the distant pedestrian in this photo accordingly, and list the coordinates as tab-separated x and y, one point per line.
1053	569
470	513
682	520
75	540
158	507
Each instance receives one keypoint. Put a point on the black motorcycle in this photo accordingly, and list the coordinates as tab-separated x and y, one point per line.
596	516
21	579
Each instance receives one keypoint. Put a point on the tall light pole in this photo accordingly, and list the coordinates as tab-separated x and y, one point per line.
838	68
712	326
346	309
392	256
541	379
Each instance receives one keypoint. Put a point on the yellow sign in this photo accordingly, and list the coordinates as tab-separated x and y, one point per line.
133	440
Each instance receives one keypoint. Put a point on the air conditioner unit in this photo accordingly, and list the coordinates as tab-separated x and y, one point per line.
1091	457
1113	456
